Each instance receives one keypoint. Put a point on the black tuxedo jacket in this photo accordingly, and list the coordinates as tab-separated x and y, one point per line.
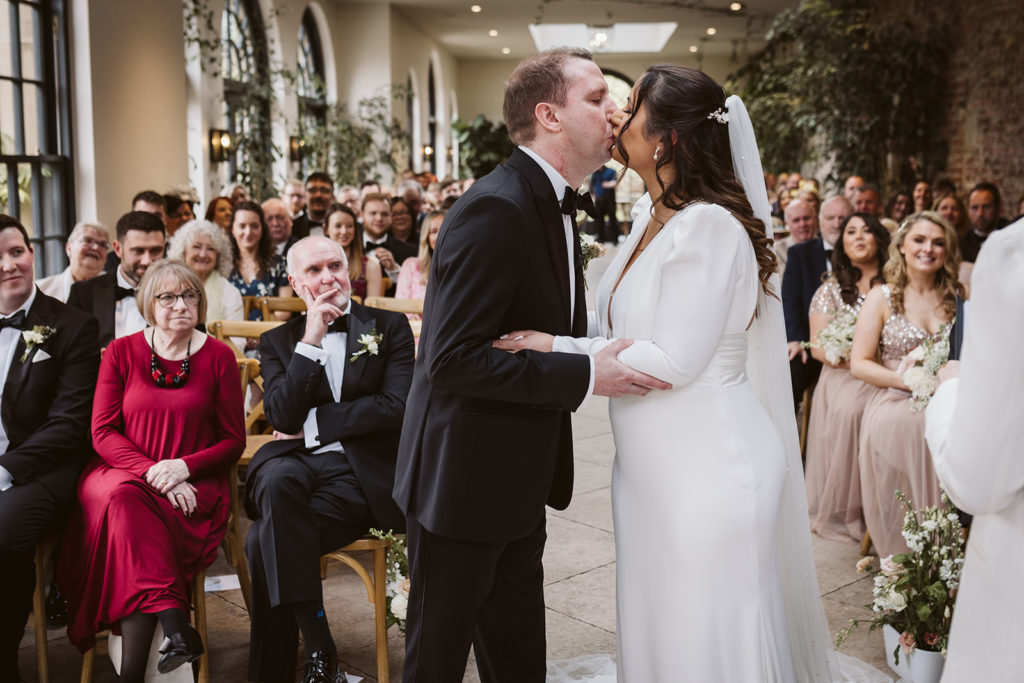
47	402
96	296
301	226
399	249
487	439
804	267
368	418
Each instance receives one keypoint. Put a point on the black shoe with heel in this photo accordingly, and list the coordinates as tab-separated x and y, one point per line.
179	648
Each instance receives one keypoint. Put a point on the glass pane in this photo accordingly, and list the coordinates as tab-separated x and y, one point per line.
32	99
52	222
7	116
5	42
4	208
30	55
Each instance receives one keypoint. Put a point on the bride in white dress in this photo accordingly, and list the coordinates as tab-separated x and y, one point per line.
715	575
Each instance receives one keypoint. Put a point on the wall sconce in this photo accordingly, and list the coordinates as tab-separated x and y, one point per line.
220	145
428	152
296	148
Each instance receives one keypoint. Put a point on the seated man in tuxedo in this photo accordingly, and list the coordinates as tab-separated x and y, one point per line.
47	385
806	265
319	197
110	297
337	403
389	250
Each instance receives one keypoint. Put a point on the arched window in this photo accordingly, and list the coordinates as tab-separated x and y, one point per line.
311	84
246	101
35	126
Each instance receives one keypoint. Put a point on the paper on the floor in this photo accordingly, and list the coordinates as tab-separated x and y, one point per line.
221	583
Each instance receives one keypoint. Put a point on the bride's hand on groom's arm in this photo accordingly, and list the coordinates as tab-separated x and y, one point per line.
613	378
521	340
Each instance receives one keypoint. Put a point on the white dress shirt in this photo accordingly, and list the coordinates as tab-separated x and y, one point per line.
382	242
58	286
8	345
332	356
559	184
127	318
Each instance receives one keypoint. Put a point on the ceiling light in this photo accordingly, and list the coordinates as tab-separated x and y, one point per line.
693	48
617	37
712	30
493	33
478	8
506	50
736	6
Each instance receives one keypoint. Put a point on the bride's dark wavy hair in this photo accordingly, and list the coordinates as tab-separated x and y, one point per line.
678	101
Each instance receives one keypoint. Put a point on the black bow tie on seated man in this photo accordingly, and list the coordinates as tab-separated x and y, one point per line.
339	324
17	321
573	201
123	293
370	247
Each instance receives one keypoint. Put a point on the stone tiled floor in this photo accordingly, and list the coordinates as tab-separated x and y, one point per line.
579	584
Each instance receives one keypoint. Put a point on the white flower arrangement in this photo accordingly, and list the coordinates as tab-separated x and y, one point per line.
836	338
590	249
370	343
397	578
37	336
926	360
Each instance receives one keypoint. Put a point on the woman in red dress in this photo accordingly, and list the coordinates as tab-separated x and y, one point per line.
167	425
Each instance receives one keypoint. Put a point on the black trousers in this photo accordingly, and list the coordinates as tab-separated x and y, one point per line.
606	225
490	595
27	514
309	505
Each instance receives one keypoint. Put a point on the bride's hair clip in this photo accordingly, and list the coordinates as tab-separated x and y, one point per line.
720	115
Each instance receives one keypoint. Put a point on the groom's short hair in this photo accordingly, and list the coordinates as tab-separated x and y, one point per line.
540	78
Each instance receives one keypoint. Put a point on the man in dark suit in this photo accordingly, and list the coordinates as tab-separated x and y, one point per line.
487	440
319	197
336	399
47	381
110	297
983	208
389	250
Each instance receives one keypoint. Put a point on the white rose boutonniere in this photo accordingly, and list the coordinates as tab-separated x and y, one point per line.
37	336
590	249
371	344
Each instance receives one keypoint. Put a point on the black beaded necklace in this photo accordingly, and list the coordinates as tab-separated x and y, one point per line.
160	378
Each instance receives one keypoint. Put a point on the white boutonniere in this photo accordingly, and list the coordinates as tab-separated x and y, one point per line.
590	249
37	336
371	344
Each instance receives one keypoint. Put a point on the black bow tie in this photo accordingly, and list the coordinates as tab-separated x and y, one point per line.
340	324
123	292
17	321
573	201
370	246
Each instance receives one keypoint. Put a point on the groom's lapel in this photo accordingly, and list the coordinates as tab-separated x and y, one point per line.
553	228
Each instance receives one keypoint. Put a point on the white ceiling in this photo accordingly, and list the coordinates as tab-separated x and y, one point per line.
465	33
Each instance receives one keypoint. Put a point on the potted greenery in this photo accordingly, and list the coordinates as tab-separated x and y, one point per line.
914	592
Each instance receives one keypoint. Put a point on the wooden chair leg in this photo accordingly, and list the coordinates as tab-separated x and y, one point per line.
43	551
865	544
323	568
380	606
199	607
88	660
805	420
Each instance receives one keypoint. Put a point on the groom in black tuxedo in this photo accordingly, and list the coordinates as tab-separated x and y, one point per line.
487	440
337	403
47	388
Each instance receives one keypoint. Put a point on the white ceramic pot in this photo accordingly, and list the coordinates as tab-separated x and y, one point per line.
920	666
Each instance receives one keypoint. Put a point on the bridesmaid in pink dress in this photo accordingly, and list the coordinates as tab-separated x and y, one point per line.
833	435
412	279
919	297
167	425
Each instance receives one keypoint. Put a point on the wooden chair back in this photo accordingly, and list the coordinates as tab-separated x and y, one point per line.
224	330
388	303
271	304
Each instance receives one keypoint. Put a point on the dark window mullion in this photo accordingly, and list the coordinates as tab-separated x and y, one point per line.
13	199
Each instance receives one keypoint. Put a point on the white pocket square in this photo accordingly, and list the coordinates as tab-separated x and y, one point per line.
41	355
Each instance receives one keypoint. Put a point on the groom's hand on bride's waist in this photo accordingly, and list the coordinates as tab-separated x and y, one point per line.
613	378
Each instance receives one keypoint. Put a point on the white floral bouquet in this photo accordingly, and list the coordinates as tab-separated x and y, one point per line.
397	577
590	249
914	592
926	360
836	338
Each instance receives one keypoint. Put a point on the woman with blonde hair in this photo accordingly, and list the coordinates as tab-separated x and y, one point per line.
206	249
917	303
412	280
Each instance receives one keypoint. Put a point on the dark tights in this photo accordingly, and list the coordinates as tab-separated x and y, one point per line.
137	635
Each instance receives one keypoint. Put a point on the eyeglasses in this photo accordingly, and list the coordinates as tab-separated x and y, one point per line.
167	300
319	189
95	244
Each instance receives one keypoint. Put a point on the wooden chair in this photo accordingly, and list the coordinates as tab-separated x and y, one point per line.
224	330
391	304
248	303
865	544
805	420
44	553
271	304
385	283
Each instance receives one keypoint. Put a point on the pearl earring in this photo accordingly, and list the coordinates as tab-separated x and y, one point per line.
656	153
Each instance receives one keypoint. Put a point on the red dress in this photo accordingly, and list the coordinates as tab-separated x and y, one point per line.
126	548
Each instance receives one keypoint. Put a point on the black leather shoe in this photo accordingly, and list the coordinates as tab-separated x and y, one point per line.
321	667
179	648
56	609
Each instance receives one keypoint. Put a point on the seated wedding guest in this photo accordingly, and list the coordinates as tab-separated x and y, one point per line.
110	297
918	299
801	220
412	281
238	193
450	187
150	202
206	249
218	211
257	270
867	200
984	213
953	210
810	196
153	504
850	187
403	221
899	206
922	197
833	435
179	212
280	225
389	251
87	250
349	196
319	195
294	196
977	456
44	426
364	273
338	413
412	194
